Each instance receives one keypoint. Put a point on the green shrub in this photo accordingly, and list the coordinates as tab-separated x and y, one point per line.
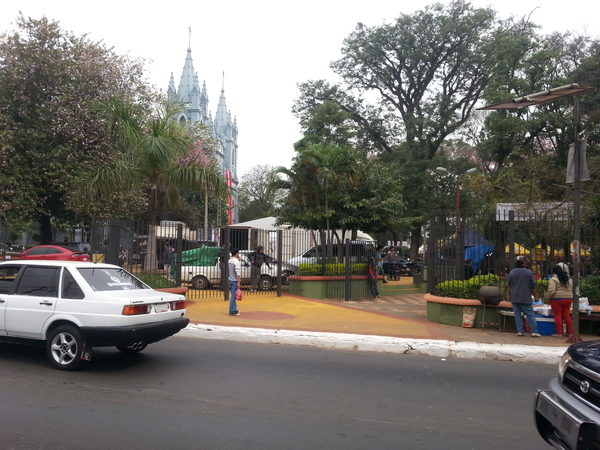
466	288
155	280
541	287
590	288
334	269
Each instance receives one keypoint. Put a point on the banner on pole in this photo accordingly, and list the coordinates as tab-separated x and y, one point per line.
583	168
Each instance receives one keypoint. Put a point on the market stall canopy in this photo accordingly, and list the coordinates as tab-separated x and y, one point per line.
472	239
519	249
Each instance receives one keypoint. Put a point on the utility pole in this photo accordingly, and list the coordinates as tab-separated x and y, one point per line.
549	96
576	224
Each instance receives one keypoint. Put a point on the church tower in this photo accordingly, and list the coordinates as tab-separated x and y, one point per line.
194	100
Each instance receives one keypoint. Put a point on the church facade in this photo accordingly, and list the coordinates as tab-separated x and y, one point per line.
194	100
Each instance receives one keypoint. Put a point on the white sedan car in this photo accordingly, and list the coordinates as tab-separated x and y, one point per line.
74	306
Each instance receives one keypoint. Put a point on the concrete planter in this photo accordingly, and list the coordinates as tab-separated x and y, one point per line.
449	311
321	287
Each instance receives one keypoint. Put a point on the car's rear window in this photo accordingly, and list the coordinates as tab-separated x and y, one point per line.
71	249
106	279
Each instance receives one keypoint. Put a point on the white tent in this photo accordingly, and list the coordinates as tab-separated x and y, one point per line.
269	223
296	240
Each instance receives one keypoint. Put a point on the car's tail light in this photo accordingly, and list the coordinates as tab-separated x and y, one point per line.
134	310
180	304
81	257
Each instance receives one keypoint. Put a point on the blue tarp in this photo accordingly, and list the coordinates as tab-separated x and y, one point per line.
474	239
476	254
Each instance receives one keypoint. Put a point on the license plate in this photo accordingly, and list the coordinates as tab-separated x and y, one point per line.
161	307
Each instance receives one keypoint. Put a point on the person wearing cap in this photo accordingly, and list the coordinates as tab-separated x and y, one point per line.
235	272
521	288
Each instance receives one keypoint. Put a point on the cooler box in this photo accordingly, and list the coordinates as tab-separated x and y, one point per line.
545	325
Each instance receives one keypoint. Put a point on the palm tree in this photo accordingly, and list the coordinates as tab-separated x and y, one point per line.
156	152
317	173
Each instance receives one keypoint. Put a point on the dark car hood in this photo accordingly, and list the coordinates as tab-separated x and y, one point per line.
587	354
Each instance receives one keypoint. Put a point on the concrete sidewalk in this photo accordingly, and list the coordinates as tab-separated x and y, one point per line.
395	323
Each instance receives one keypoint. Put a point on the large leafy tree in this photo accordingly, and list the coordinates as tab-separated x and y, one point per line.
317	172
410	84
258	193
536	64
336	188
51	135
428	69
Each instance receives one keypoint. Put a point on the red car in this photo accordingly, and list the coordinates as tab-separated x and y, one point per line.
54	252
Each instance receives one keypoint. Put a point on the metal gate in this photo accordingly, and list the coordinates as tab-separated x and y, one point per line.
170	254
460	250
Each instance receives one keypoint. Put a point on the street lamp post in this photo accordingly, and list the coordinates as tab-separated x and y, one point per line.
460	248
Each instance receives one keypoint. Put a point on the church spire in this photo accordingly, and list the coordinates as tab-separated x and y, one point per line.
187	80
171	92
222	116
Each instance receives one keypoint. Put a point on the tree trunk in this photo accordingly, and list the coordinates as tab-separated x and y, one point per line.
45	229
206	210
151	259
416	238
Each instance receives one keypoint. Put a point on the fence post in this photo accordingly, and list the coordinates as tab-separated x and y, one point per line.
253	239
97	237
430	257
279	256
225	264
114	240
322	246
348	272
178	250
460	249
511	239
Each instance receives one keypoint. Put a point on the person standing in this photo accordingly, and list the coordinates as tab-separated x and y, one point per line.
168	258
379	255
521	288
560	295
257	259
235	272
468	269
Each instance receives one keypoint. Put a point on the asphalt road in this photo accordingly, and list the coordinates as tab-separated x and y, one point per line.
191	393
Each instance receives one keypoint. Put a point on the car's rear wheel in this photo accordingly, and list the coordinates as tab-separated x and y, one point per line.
64	347
265	283
200	282
133	348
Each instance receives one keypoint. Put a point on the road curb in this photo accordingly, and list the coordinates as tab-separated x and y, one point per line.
360	342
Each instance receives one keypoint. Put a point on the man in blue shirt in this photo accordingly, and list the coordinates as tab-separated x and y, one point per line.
521	286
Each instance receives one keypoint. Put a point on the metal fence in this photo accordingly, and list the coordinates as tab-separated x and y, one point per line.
171	254
465	253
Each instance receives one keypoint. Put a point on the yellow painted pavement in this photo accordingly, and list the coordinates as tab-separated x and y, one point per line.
297	313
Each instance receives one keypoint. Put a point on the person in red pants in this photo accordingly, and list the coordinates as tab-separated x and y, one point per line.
560	294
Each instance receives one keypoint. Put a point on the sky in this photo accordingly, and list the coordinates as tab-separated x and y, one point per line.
264	47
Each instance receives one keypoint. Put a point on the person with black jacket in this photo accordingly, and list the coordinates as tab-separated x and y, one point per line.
257	259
